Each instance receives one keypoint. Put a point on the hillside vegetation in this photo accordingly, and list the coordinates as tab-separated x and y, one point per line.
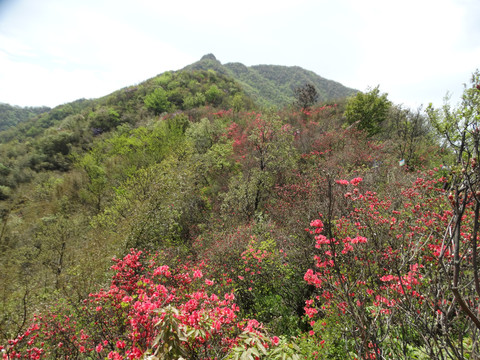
12	115
180	219
274	85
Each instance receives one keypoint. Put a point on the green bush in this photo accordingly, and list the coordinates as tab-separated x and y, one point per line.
157	101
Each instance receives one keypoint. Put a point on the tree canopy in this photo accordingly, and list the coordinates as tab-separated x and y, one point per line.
368	110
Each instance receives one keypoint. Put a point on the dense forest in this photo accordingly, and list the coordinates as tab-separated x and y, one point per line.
12	115
185	218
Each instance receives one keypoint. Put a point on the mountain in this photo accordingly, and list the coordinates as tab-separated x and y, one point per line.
12	115
33	140
274	84
47	138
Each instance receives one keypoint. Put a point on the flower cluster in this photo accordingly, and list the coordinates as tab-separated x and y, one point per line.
126	320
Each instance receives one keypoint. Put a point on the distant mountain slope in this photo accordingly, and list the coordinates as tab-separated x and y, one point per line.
12	115
274	84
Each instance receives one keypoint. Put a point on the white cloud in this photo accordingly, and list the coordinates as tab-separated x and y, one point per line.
86	55
411	45
30	84
220	13
15	47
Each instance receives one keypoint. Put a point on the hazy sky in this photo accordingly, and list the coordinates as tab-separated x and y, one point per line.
56	51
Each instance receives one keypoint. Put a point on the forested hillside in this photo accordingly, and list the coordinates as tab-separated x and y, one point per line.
179	219
274	85
12	115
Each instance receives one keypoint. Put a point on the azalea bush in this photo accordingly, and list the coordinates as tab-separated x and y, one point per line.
251	261
149	311
380	286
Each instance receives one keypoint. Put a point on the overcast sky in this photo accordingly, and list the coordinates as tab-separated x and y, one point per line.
56	51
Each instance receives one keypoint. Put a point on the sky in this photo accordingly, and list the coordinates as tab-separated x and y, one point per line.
56	51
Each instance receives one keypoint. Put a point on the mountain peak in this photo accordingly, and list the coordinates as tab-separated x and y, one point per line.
209	57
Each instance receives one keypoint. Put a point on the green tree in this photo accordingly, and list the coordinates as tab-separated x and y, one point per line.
157	206
193	101
213	95
4	170
5	192
104	119
203	134
97	185
460	129
368	110
157	101
305	96
409	133
56	236
238	102
59	143
266	151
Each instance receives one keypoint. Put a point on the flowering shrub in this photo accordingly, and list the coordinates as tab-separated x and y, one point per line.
379	279
148	311
250	261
